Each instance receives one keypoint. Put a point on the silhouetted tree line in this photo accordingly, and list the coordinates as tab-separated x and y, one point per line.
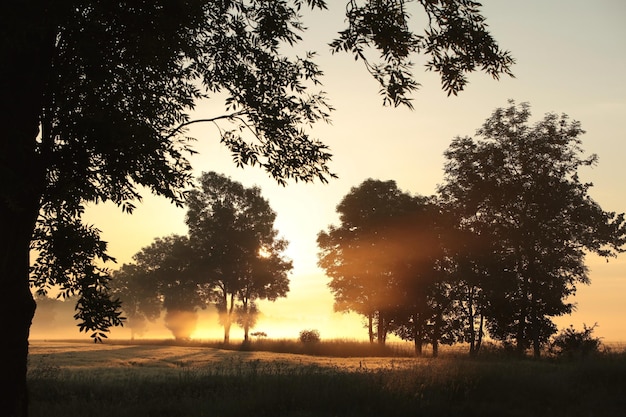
497	251
231	258
97	97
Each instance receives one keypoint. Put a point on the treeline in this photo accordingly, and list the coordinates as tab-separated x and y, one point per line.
496	251
231	257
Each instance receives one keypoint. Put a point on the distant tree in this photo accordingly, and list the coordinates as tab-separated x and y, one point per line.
574	343
100	100
268	281
519	186
164	277
309	336
247	315
138	292
231	229
467	265
360	255
425	311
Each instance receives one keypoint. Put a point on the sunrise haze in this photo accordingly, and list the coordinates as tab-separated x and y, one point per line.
570	59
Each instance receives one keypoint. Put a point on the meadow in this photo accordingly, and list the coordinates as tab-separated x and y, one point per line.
329	378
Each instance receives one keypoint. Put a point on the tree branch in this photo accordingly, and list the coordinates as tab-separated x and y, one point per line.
212	119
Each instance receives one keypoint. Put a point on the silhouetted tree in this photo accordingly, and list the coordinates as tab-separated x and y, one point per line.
96	96
519	186
164	277
231	229
467	262
360	255
267	281
137	291
247	316
425	312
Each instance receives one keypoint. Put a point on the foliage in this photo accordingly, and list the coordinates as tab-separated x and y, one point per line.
456	42
518	186
232	257
113	121
359	254
231	230
284	385
98	106
572	343
386	262
309	336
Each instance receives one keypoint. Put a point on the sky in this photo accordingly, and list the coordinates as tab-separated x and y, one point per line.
571	58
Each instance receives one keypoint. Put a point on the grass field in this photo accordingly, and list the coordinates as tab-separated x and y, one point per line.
160	379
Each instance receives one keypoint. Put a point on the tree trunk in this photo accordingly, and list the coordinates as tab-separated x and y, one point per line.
479	342
382	329
521	335
370	326
437	334
472	335
227	333
536	341
246	331
228	320
246	321
27	47
418	336
17	307
18	214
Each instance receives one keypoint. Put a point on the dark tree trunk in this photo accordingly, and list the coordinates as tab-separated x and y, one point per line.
479	342
228	320
246	322
382	329
27	33
437	334
521	335
472	331
370	326
536	340
17	307
418	336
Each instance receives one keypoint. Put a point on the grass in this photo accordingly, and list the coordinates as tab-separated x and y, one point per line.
159	379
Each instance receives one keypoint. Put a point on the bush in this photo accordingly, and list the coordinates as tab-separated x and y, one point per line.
309	336
572	343
259	335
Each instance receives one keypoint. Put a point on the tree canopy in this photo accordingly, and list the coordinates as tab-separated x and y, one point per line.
231	258
163	276
97	97
362	254
498	251
231	229
519	185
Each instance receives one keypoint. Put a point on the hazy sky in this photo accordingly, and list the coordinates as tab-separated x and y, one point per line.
570	59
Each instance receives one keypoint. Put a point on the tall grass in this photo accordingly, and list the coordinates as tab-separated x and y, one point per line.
492	385
341	348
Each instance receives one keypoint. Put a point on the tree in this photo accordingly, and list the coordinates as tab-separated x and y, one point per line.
519	186
97	96
466	266
360	255
231	229
425	307
140	303
163	277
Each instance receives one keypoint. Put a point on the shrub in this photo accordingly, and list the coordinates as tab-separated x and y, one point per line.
309	336
570	342
259	335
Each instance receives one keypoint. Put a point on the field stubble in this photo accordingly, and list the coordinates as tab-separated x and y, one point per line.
122	379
